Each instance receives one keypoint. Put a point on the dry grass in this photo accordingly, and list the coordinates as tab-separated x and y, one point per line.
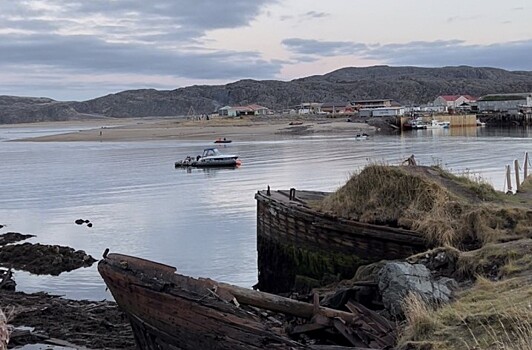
497	261
447	209
491	315
420	322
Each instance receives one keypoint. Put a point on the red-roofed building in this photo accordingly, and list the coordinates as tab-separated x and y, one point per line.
453	101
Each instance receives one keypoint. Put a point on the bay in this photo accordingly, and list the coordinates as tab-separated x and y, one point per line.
203	221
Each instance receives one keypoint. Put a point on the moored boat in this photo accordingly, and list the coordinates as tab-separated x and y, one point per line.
211	157
171	311
437	124
224	140
415	124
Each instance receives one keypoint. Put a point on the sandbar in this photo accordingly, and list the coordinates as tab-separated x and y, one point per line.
237	129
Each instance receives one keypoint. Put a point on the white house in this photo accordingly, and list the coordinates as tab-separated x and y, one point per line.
235	111
381	112
505	102
452	101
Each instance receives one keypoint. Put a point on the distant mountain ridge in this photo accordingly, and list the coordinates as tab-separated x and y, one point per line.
408	85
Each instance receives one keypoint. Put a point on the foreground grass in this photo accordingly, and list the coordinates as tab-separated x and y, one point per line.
490	315
488	234
445	208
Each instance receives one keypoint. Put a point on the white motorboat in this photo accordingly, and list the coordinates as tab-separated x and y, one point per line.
436	124
361	136
211	157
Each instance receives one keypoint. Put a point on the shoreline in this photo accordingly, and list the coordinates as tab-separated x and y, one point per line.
239	129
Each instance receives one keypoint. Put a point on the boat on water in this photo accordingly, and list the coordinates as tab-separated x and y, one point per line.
224	140
170	311
479	123
363	136
211	157
436	124
415	124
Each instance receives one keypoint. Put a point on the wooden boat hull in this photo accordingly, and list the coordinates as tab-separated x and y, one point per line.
171	311
297	245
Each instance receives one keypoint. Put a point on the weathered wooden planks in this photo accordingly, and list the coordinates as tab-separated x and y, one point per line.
293	239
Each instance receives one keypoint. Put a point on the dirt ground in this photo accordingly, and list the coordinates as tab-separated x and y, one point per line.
83	323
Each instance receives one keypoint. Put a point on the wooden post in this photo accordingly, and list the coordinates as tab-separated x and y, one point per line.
517	182
509	179
525	172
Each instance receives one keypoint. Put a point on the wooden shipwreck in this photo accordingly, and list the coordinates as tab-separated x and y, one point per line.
300	248
172	311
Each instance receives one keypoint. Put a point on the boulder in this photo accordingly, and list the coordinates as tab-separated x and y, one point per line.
398	279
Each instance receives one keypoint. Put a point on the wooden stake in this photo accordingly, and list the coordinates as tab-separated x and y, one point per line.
517	182
525	172
509	179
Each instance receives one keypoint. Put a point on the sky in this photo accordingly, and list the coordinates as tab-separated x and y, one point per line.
82	49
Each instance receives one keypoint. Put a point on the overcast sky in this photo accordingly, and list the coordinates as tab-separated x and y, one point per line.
81	49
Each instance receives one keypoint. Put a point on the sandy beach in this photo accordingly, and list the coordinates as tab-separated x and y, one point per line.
245	129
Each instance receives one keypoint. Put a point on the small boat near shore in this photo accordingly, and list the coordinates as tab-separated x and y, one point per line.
436	124
211	157
224	140
415	124
172	311
362	136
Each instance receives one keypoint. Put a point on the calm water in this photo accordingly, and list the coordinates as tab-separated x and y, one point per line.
201	221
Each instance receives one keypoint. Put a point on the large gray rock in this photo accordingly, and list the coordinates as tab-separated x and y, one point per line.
398	279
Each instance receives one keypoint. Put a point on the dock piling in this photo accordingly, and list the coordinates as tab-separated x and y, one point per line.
517	181
509	179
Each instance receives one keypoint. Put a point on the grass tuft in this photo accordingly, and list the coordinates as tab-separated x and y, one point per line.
447	209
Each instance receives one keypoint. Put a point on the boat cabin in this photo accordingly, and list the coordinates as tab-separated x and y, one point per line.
209	152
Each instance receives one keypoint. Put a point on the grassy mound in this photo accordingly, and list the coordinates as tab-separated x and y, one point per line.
447	209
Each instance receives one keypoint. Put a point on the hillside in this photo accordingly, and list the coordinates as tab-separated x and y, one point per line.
407	85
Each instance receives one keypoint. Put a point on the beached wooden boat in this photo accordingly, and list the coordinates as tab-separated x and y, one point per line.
298	245
172	311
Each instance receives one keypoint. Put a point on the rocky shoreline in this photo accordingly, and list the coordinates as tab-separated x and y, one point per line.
50	319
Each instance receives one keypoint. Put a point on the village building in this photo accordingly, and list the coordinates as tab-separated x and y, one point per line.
505	103
377	103
381	112
337	108
236	111
308	108
453	102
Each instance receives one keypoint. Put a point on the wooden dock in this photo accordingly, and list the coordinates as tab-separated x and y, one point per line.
300	248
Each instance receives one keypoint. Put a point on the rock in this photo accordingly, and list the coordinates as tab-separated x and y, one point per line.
398	279
442	261
369	272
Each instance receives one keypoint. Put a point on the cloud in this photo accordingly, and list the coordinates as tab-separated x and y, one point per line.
322	48
314	14
511	55
126	37
90	54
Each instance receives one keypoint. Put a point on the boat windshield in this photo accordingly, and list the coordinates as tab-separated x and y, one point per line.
211	152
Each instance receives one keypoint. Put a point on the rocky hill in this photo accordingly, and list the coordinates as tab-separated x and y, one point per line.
408	85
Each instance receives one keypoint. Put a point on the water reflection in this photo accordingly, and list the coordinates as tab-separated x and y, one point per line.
201	220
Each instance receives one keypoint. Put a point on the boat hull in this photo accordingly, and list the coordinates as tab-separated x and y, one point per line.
297	244
209	164
170	311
